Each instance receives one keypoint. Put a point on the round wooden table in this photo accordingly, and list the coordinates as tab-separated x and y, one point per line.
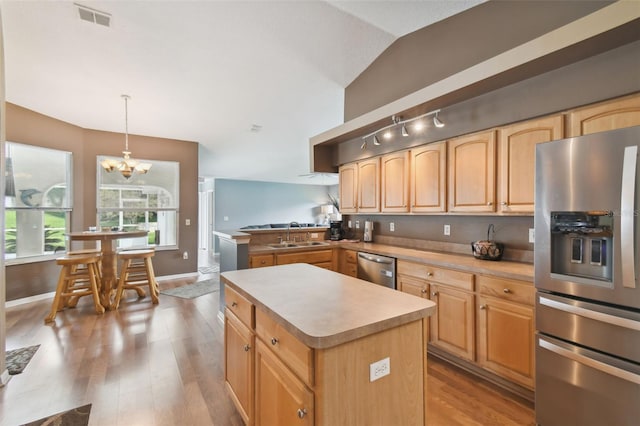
109	259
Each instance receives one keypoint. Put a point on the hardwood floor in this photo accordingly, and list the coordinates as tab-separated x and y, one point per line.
162	364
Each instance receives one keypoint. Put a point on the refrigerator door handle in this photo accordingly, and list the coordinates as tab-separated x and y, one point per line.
590	362
627	216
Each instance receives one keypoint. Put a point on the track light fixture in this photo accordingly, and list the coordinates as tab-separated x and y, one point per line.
404	132
436	121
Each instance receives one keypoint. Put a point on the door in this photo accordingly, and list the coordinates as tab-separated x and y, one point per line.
452	326
429	178
472	173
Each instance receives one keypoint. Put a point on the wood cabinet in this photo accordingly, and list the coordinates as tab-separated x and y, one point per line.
603	116
395	182
348	187
360	187
428	178
368	199
321	258
471	167
261	260
517	154
506	328
348	262
239	353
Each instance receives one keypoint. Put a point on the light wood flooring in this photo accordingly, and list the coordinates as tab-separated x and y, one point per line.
162	364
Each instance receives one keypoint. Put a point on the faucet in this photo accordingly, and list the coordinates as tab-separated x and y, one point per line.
289	228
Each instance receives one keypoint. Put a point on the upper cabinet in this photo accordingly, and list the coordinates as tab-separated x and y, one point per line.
472	173
348	181
429	178
369	186
360	187
517	156
610	115
395	182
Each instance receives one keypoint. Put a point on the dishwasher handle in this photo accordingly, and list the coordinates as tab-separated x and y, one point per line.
376	259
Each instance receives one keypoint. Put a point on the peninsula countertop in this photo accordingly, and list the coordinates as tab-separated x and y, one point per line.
323	308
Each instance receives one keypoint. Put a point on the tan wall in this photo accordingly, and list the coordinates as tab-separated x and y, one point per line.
454	44
29	127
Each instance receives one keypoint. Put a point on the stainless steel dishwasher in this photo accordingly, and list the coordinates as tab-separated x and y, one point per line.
377	269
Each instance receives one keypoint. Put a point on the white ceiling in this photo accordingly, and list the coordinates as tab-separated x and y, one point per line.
206	71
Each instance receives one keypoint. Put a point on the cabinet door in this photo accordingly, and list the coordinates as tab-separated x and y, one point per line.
238	365
506	339
348	181
472	170
347	262
281	398
517	160
369	186
452	326
610	115
395	182
429	178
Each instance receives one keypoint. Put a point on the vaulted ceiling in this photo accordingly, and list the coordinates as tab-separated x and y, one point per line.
251	81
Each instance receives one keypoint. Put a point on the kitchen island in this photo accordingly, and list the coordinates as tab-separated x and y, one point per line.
304	345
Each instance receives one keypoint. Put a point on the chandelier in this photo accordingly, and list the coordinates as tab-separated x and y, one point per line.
127	166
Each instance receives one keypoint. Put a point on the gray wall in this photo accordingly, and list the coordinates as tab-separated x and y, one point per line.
257	203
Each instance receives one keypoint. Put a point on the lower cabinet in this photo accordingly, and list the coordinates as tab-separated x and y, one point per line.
261	260
348	262
281	398
506	329
452	327
239	362
321	258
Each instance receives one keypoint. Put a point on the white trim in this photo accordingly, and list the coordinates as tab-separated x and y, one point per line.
30	299
4	378
177	276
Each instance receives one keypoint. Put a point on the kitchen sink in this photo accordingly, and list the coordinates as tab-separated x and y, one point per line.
298	244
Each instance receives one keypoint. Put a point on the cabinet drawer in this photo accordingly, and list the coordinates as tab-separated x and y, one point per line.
351	256
318	256
503	288
297	356
260	260
463	280
240	306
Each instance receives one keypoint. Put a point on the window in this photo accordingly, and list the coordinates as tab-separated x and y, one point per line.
149	201
37	201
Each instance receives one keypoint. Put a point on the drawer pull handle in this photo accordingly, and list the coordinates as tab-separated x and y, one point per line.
274	341
435	293
506	290
302	412
489	203
429	274
423	291
246	348
504	203
234	304
483	307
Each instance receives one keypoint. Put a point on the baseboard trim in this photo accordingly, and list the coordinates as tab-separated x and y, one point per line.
30	299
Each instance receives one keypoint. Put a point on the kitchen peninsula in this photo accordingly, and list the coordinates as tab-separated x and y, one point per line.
313	346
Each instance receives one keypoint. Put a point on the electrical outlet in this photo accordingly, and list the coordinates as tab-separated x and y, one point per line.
185	255
392	227
357	224
226	218
379	369
187	222
349	224
447	230
532	235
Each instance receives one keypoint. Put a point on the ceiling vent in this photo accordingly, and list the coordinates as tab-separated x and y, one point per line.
93	16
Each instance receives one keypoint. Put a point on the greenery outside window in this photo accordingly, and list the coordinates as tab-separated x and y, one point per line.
38	201
143	202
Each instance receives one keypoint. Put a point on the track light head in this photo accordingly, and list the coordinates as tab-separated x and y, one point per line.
364	143
404	131
375	140
436	121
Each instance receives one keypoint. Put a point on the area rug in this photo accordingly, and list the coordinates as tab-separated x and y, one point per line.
75	417
17	359
209	269
191	291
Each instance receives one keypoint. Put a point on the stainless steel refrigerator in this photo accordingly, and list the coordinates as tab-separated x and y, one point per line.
587	251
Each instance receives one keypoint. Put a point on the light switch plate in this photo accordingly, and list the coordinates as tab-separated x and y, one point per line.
447	230
357	224
532	235
392	227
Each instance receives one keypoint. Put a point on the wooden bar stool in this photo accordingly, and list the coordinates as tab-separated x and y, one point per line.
136	272
81	252
78	278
